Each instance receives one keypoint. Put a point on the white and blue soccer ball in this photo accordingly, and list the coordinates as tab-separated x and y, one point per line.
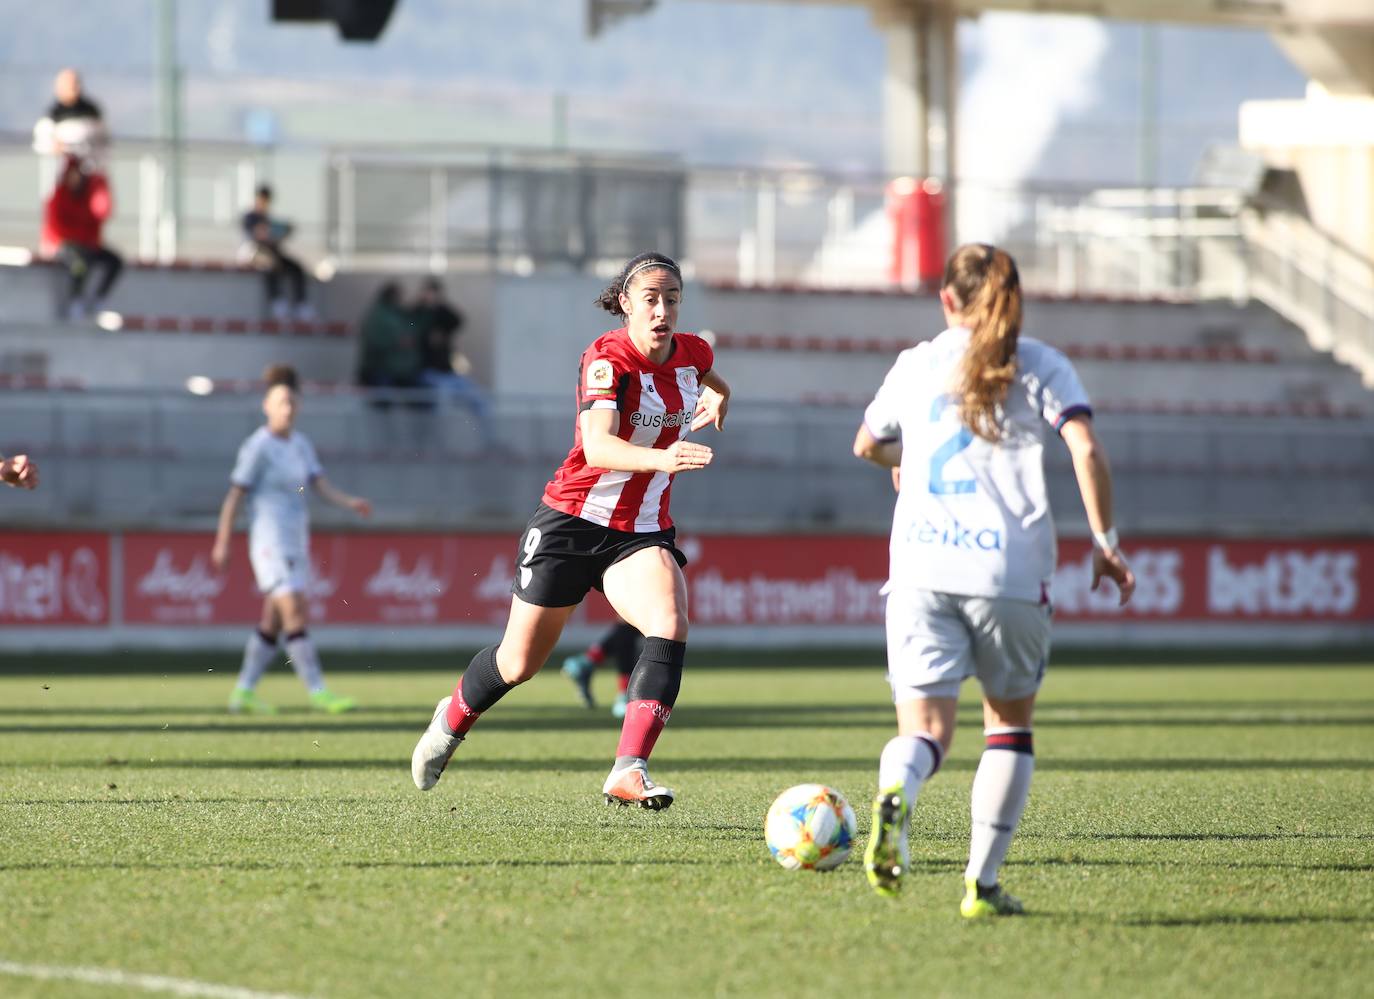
810	827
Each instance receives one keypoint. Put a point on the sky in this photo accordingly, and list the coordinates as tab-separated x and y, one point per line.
1053	99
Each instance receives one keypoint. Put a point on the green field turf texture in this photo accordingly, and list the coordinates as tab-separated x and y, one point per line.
1192	830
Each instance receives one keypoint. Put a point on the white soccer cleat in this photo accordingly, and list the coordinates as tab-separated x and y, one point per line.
632	786
434	749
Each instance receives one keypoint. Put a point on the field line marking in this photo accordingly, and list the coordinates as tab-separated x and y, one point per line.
126	979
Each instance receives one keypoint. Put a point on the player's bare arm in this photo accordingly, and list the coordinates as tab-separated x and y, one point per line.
334	496
603	449
714	401
228	510
1095	485
886	454
20	471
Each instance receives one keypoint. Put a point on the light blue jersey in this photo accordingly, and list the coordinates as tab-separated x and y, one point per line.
972	517
276	473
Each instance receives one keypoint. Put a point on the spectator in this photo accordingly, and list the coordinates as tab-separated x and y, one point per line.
391	350
263	251
438	321
73	125
72	220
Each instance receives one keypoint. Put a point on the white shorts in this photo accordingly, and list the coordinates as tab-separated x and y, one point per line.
279	571
935	641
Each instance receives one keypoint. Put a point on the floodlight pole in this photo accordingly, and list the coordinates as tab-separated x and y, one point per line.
921	92
1149	105
169	100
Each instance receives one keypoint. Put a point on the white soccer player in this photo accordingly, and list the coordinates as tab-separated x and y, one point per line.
274	466
966	417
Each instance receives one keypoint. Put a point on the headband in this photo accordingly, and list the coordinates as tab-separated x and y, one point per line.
667	265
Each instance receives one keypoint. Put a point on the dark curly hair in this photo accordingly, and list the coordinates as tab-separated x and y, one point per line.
609	299
280	374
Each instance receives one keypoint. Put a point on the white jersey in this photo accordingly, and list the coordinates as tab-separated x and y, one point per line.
973	517
276	471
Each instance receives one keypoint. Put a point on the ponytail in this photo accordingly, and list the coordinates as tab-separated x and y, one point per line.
984	281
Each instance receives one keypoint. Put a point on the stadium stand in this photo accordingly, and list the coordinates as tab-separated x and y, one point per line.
1218	416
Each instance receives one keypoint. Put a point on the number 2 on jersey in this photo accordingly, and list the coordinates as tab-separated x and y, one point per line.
939	485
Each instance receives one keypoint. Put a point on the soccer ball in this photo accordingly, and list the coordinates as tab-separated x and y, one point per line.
810	827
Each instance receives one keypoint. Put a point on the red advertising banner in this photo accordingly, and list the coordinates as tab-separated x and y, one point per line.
55	579
406	579
835	580
393	579
1187	579
169	579
785	580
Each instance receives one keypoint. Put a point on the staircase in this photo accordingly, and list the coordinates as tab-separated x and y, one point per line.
1314	281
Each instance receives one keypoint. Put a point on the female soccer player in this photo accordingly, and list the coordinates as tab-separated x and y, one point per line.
604	522
274	466
965	416
622	642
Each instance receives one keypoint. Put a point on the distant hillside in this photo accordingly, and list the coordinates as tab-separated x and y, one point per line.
1053	98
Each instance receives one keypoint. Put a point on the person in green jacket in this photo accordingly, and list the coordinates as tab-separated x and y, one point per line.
392	352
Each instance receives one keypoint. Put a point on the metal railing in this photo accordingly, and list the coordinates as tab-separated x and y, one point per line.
503	209
493	208
1317	283
456	206
217	180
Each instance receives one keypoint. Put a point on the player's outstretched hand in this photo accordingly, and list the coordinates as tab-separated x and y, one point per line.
711	408
219	556
1114	567
19	471
685	456
360	506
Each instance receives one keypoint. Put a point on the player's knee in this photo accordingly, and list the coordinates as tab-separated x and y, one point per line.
668	623
516	667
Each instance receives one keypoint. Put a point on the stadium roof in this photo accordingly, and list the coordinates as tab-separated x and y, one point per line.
1258	13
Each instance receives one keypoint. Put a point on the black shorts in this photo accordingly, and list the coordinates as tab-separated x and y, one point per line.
561	557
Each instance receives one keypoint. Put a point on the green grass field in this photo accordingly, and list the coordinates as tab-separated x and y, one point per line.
1192	830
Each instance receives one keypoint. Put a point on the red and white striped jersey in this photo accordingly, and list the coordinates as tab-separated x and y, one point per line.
656	403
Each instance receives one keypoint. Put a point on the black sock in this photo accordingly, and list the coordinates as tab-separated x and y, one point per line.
658	674
482	683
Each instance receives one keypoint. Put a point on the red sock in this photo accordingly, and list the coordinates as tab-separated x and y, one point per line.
460	717
595	654
624	681
644	720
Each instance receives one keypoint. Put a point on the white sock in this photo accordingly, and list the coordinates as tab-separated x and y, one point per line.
1000	789
909	760
301	654
257	656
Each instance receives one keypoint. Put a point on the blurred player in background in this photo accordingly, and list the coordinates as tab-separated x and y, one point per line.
622	642
604	523
966	417
274	466
19	470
